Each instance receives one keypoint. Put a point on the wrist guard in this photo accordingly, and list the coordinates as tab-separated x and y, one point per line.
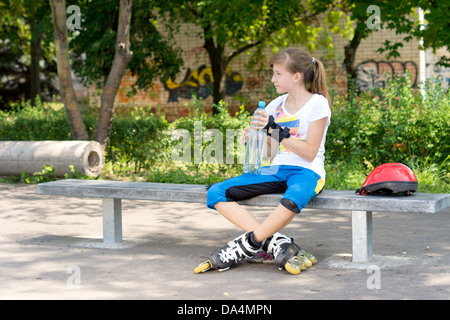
283	132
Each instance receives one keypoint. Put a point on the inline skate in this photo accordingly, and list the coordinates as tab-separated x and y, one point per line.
232	254
285	253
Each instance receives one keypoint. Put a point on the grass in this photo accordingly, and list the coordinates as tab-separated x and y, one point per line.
341	175
432	178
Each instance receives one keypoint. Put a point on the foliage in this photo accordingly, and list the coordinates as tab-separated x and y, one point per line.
218	126
402	17
436	34
39	122
227	32
154	54
137	139
394	124
26	36
45	175
134	137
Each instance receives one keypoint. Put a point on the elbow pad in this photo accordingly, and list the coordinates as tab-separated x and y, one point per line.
283	132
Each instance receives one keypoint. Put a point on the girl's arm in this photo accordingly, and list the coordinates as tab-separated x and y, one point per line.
306	149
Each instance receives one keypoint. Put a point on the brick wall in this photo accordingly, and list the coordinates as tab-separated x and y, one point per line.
249	86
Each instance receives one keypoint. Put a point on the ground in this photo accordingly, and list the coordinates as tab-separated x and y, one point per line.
50	249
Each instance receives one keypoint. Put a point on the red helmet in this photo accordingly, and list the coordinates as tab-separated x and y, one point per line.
389	178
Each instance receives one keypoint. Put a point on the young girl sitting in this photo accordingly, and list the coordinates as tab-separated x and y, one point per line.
296	124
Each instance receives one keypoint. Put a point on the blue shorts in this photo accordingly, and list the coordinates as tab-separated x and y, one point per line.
298	184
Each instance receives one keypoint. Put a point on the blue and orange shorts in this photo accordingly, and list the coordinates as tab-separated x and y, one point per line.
298	184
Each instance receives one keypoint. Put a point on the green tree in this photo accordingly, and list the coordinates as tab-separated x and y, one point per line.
435	32
93	46
26	63
102	52
59	19
232	27
402	17
390	14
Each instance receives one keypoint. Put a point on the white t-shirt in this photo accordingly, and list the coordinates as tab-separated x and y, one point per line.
316	108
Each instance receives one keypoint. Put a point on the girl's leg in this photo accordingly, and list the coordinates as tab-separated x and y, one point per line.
238	215
243	219
222	197
244	187
276	221
302	186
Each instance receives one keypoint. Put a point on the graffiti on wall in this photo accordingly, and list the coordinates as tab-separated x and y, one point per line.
442	75
200	83
373	74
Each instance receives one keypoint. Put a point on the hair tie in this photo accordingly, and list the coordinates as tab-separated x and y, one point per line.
313	60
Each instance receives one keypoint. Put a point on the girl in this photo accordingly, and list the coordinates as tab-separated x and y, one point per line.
296	125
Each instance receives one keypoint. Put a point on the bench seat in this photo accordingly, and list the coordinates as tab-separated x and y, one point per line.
112	192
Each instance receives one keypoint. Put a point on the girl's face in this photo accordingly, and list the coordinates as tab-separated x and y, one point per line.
283	80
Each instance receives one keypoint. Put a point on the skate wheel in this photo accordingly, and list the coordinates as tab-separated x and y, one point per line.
293	266
205	266
297	261
309	256
305	261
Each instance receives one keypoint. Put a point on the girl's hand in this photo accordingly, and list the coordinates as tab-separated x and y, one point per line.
243	139
260	120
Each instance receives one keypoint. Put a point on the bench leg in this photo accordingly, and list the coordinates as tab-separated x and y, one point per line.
361	236
112	220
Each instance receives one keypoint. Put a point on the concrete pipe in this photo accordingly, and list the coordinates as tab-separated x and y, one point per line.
16	156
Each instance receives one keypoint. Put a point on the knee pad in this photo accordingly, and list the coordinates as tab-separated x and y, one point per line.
290	205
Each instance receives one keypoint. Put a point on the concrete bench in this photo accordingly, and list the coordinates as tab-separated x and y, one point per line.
112	192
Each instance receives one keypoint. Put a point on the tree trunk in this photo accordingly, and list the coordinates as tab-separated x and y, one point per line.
36	54
218	70
219	64
122	56
65	78
350	54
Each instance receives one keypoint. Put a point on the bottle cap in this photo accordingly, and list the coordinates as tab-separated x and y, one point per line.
261	104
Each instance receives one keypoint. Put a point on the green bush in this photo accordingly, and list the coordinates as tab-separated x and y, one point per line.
32	123
137	139
201	148
208	128
394	124
134	136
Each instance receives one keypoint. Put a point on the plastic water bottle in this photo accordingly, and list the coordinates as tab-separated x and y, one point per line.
256	139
